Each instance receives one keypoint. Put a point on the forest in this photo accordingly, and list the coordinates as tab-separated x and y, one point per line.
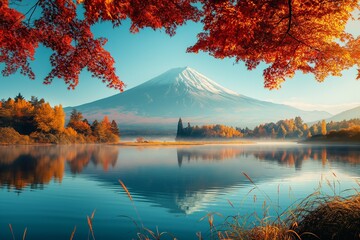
283	129
36	121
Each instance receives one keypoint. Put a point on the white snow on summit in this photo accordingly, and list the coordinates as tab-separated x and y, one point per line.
184	92
191	80
195	79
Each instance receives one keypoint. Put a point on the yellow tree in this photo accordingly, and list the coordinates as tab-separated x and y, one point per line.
77	123
44	116
103	131
323	127
59	119
23	108
49	119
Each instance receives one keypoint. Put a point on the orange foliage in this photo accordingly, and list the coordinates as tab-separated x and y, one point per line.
24	121
304	35
22	166
103	132
22	108
49	119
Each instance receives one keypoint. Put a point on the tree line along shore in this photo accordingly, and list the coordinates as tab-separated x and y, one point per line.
36	121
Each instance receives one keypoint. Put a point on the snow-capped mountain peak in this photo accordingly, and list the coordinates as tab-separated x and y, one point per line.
184	92
189	80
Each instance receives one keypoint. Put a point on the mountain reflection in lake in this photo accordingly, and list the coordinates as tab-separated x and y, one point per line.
50	189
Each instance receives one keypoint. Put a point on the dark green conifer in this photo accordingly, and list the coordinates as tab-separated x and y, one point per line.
180	129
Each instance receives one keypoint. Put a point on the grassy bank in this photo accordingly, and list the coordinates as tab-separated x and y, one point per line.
318	216
323	218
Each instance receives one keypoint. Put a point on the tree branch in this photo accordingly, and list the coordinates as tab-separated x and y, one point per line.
290	16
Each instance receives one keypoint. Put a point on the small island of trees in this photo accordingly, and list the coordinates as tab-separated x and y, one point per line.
36	121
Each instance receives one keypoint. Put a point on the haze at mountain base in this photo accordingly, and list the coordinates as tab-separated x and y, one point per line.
156	105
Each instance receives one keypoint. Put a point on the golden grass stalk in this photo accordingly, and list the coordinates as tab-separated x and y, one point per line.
12	232
93	214
126	190
231	204
89	221
24	235
73	233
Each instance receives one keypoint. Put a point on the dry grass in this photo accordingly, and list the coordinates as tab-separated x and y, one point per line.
126	190
318	216
90	224
268	232
329	218
12	232
325	218
315	217
73	233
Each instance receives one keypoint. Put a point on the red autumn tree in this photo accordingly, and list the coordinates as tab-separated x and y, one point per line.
288	35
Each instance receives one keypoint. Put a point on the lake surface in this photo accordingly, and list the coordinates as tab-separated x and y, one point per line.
51	189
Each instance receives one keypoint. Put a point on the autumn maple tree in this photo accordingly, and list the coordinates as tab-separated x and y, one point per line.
288	35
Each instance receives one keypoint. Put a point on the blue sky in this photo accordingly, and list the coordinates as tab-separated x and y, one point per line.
140	57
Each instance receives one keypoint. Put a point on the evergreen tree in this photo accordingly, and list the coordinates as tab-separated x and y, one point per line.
19	97
180	129
188	130
86	121
75	116
114	128
94	125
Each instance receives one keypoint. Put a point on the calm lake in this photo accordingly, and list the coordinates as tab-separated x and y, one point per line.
51	189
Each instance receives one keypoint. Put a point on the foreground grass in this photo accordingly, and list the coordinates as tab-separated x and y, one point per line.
329	218
315	217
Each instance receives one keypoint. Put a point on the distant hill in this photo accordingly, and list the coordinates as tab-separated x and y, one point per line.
346	115
183	92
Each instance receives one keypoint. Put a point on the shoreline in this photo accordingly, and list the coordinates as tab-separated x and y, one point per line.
154	143
180	143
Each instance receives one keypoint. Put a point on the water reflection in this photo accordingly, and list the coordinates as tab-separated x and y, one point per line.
292	157
204	173
171	187
208	154
34	166
178	179
296	157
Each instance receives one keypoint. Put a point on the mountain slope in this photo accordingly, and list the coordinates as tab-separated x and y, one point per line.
346	115
183	92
